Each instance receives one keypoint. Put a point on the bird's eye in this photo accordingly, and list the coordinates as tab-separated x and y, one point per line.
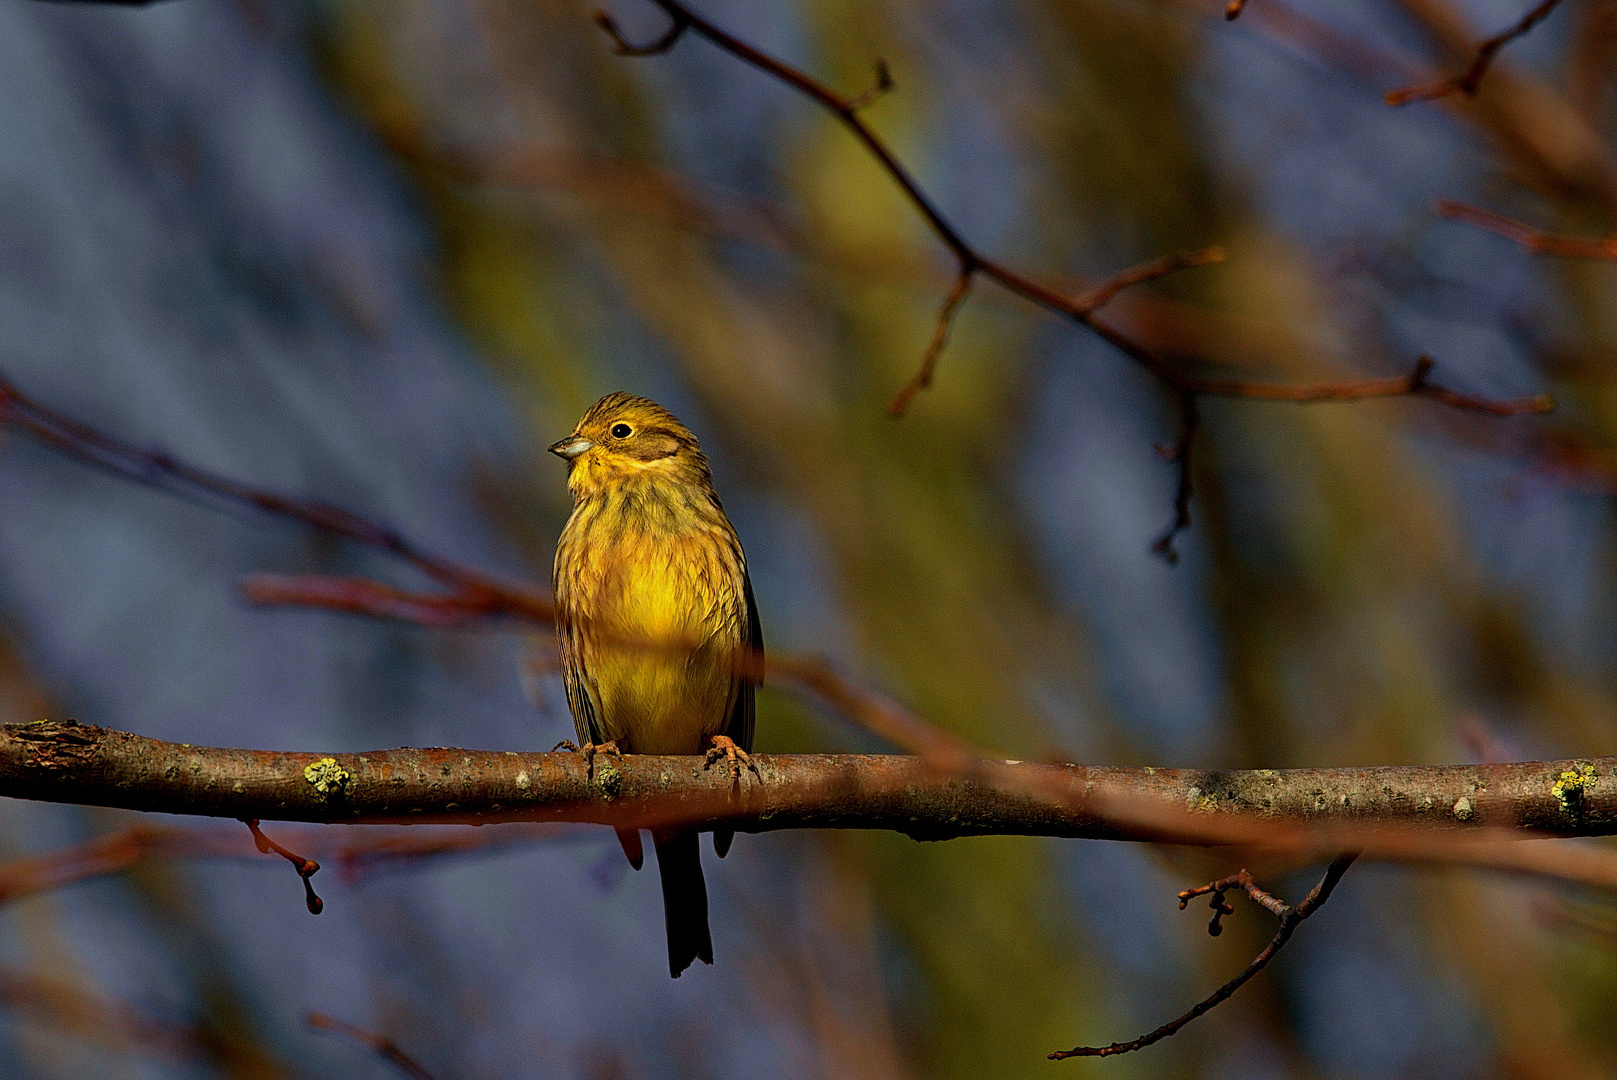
621	431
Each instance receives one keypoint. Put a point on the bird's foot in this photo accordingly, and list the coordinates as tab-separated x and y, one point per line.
589	750
737	758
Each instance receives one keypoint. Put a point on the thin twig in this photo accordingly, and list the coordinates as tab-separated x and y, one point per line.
104	855
362	596
1242	880
1180	454
1417	384
970	261
385	1048
1533	239
1088	303
623	47
306	868
1470	79
883	83
1290	919
355	856
161	470
1102	294
940	336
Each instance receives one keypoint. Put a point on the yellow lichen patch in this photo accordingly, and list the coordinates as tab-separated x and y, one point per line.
1568	789
326	776
608	778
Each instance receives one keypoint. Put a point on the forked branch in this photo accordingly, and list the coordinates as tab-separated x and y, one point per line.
1290	919
1468	81
971	262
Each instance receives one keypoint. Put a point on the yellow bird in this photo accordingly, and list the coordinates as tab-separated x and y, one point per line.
661	647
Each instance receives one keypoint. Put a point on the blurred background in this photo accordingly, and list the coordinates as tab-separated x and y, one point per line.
382	253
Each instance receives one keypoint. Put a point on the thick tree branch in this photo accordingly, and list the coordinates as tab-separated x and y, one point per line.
1444	814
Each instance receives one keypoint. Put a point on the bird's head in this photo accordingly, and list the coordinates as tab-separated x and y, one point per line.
623	437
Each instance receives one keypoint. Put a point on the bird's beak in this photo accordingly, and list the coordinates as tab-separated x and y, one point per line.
571	447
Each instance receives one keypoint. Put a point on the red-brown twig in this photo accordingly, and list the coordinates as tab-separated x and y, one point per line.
104	855
1241	879
970	262
1467	81
471	590
385	1048
362	596
1573	247
1102	294
1290	919
1417	383
306	868
100	1021
929	359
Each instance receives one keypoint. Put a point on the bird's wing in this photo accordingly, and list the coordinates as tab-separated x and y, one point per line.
580	694
743	712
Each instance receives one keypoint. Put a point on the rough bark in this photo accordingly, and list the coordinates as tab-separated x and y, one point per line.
72	763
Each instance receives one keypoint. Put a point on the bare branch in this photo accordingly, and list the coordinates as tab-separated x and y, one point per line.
156	468
355	855
970	261
1470	79
883	83
934	348
1435	813
306	868
623	47
1290	919
1417	383
384	1048
1573	247
1179	260
362	596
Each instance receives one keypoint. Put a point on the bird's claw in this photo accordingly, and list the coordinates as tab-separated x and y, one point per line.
566	744
589	750
737	758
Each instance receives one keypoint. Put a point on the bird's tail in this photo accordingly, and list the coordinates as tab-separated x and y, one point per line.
679	864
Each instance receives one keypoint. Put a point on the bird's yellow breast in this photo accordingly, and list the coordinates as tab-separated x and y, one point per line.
650	596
